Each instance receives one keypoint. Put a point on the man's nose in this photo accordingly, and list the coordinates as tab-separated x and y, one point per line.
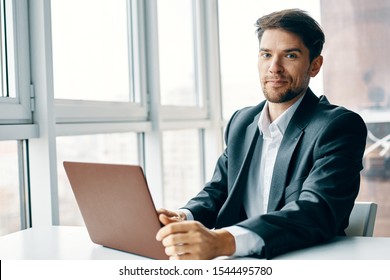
275	65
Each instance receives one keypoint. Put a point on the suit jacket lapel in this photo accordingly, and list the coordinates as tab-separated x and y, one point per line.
251	137
287	147
294	132
232	210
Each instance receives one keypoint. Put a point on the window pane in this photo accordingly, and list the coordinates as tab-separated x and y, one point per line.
9	188
106	148
239	47
356	71
176	53
91	50
376	175
182	167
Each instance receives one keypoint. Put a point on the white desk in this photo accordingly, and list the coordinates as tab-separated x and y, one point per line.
73	243
56	243
345	248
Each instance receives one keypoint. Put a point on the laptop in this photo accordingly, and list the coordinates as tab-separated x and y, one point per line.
117	207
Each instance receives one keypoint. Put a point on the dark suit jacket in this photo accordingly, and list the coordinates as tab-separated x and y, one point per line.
315	182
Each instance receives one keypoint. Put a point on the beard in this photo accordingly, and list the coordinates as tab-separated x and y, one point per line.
285	95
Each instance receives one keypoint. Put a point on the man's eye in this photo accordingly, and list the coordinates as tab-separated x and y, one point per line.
265	55
291	55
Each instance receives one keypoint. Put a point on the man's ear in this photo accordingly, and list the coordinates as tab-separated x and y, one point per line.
315	66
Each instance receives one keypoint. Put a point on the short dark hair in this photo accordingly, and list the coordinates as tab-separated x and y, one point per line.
298	22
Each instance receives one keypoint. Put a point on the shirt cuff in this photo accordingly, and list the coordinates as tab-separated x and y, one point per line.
247	242
189	216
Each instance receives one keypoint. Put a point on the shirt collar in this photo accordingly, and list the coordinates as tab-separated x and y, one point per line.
281	123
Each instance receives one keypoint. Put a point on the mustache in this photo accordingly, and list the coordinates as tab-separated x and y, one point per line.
276	78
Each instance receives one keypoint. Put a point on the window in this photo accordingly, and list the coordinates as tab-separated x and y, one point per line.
16	96
91	57
356	68
15	106
96	62
100	97
12	200
181	59
177	53
101	89
182	166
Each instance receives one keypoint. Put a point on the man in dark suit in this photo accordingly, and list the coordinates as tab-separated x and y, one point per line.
290	172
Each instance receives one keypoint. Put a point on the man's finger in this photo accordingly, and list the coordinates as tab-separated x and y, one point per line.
178	250
164	219
173	228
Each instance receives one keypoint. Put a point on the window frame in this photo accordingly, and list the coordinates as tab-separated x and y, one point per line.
18	109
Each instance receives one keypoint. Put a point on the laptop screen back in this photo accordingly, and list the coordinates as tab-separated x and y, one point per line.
116	206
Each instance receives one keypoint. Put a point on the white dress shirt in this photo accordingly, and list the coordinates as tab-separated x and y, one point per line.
256	198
